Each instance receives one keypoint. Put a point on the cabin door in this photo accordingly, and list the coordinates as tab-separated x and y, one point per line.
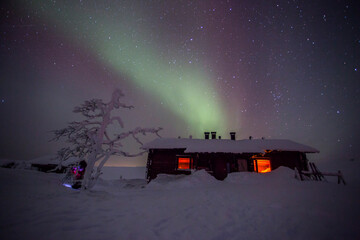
220	169
242	165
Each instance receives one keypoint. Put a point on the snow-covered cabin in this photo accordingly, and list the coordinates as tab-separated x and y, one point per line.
222	156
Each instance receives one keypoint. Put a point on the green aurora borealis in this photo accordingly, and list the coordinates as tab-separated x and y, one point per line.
118	42
274	69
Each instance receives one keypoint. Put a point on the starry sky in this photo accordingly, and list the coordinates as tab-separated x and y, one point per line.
273	69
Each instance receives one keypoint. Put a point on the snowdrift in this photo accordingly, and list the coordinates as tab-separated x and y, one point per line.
34	205
195	180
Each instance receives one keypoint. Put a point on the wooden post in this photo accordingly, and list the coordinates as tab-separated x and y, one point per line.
340	178
300	174
320	175
314	172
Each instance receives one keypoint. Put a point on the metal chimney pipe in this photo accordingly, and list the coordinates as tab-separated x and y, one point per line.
232	135
206	135
213	135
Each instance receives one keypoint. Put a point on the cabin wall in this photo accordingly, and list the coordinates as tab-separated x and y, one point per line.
164	161
288	159
217	164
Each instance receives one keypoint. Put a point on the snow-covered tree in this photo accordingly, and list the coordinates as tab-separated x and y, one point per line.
90	140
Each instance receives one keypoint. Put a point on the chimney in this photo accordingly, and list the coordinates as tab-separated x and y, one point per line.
232	135
206	135
213	135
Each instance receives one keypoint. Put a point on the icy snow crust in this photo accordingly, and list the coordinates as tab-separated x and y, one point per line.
228	146
244	206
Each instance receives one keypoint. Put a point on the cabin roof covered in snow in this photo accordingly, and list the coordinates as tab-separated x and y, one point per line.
228	146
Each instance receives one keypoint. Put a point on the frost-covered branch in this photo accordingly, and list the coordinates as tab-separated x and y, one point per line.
89	139
119	120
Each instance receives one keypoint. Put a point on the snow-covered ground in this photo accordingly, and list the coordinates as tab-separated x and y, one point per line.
115	173
34	205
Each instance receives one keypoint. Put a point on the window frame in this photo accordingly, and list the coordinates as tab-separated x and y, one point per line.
255	162
191	162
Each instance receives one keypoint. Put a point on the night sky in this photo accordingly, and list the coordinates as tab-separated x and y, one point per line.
273	69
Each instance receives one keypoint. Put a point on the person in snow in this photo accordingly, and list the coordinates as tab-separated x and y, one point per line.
79	173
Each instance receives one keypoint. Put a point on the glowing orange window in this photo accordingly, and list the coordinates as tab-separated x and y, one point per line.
184	163
262	165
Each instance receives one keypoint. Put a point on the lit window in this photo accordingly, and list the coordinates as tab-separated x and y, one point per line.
184	163
262	165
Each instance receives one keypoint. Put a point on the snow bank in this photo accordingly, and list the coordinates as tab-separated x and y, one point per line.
196	179
26	164
114	186
34	205
281	175
5	163
112	173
